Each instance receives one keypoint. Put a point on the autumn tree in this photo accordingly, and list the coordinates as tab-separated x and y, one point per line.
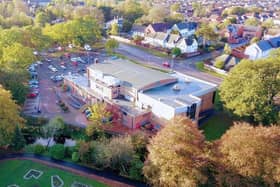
99	116
114	29
207	33
9	115
252	152
250	89
176	155
252	22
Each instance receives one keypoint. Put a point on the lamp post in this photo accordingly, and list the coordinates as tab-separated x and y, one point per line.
172	62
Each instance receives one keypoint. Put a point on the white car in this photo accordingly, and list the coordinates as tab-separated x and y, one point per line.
63	67
39	62
87	47
54	69
50	67
78	59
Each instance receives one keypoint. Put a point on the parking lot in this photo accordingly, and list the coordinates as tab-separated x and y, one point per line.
49	73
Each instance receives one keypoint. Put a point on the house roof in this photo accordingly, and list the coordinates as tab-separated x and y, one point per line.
172	38
138	28
275	42
161	27
133	75
264	45
160	36
186	25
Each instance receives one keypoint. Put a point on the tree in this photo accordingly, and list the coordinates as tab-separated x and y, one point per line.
17	57
250	88
176	52
174	8
267	24
199	9
219	64
18	141
41	19
254	40
9	115
99	116
252	22
157	14
111	45
207	33
176	155
57	151
252	152
114	29
54	128
227	49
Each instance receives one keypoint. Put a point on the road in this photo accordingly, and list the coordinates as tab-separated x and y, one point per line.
186	66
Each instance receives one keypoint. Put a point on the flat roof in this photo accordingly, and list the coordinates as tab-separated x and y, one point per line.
184	92
134	75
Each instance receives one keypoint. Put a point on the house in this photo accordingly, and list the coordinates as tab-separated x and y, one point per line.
142	95
116	20
237	33
157	39
138	30
262	48
258	50
189	45
158	27
185	29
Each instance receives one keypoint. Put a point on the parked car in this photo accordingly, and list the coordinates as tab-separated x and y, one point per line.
33	82
87	47
81	70
31	95
166	64
48	60
63	67
39	62
78	59
34	86
53	69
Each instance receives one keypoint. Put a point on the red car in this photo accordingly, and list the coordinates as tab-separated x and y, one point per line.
31	95
166	64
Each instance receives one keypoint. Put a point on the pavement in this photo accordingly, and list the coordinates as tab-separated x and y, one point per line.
185	66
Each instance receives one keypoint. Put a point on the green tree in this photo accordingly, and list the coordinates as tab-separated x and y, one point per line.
174	8
55	127
41	19
252	22
267	24
252	152
111	45
16	57
207	33
250	88
176	52
18	141
57	151
178	160
199	9
114	29
227	49
9	115
219	64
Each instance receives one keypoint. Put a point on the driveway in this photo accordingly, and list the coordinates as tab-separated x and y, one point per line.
186	66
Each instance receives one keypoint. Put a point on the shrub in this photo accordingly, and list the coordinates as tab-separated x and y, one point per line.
29	148
75	156
57	151
200	66
69	151
84	151
122	152
219	64
39	149
101	155
135	170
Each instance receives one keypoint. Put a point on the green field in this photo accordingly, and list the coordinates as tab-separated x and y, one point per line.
12	172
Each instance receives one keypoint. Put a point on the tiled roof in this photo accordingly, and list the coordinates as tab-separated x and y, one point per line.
275	42
161	27
264	45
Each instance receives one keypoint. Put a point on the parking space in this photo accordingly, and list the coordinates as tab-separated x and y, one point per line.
46	85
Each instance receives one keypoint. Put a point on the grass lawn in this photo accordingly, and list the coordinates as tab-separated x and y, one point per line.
152	51
12	172
200	67
215	126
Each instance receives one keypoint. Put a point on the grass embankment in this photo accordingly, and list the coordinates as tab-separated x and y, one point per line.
200	67
12	172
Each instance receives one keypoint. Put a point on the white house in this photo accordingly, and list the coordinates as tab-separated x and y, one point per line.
185	29
189	45
258	50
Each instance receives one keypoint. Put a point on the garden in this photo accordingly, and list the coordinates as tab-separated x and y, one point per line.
26	173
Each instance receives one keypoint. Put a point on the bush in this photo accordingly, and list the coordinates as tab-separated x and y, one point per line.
29	148
39	149
69	151
100	154
219	64
57	151
200	66
75	156
135	170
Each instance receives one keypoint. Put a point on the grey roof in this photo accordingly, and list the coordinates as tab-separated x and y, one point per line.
187	25
161	27
133	75
264	45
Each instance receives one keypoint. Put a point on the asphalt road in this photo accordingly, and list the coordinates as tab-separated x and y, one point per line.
186	66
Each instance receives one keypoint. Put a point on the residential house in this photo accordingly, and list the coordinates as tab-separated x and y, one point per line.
158	27
185	29
189	45
262	48
116	20
138	30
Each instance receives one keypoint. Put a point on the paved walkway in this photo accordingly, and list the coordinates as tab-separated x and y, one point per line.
107	177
